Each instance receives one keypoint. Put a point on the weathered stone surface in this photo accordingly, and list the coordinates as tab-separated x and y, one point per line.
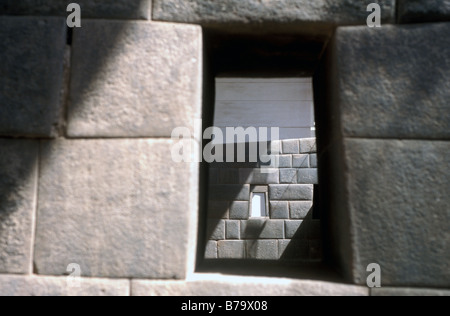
262	228
284	161
293	249
291	228
288	175
398	206
231	249
299	209
61	286
134	79
18	174
233	229
300	161
216	285
239	210
228	176
211	250
111	9
291	191
401	85
279	210
262	249
308	145
386	291
290	146
230	192
31	75
313	160
412	11
218	209
307	176
216	230
253	11
259	176
118	208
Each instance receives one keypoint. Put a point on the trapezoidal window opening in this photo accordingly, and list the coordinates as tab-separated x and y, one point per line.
261	208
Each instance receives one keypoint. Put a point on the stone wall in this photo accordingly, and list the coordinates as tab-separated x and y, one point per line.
86	117
289	232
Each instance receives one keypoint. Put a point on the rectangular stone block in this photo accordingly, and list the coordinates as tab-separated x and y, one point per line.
308	145
288	192
262	229
313	160
216	230
398	206
216	285
239	210
279	210
211	250
109	9
256	12
233	229
300	209
291	228
307	176
11	285
18	191
290	146
400	88
230	192
293	249
288	176
231	249
300	161
259	176
118	208
130	80
284	161
218	209
31	75
262	249
420	11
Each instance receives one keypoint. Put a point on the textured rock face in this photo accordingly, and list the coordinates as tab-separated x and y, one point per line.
411	11
115	207
149	86
111	9
398	203
400	84
254	11
18	174
31	75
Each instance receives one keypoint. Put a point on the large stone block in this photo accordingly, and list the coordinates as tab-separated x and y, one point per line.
216	285
262	228
118	208
262	249
256	12
279	210
291	191
18	175
61	286
397	203
239	210
400	86
300	209
110	9
134	79
31	75
288	175
419	11
231	249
